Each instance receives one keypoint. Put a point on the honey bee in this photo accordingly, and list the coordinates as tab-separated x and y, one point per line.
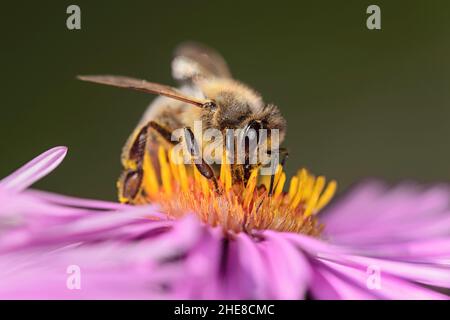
207	93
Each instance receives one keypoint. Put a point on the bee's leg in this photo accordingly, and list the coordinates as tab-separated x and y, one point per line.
129	185
284	156
130	181
204	168
163	132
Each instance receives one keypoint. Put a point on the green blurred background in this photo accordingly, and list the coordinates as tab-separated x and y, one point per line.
359	103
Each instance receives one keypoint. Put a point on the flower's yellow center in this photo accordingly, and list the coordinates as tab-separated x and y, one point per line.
181	189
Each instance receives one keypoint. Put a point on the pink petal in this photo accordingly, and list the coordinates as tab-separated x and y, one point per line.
34	170
389	287
75	202
93	227
373	214
417	250
109	269
290	271
253	266
435	275
327	285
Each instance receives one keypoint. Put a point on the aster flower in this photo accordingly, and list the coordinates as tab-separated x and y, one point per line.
374	242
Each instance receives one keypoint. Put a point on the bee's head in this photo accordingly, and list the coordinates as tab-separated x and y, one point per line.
235	106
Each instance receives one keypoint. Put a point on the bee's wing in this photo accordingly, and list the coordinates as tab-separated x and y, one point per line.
194	60
145	86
